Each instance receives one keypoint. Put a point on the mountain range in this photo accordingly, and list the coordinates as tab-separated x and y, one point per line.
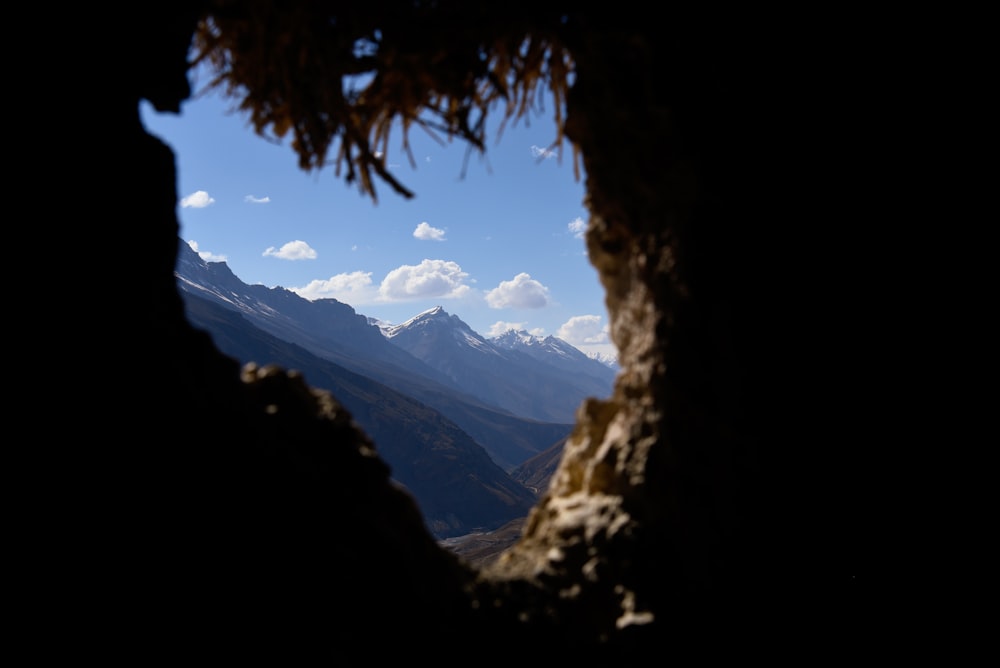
455	415
543	379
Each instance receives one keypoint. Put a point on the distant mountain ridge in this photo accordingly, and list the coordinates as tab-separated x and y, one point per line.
515	339
607	359
325	327
334	331
416	388
458	487
543	379
553	350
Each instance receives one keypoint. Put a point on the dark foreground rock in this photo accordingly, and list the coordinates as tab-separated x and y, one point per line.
203	512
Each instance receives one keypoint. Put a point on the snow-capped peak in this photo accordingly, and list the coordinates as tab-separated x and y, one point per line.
436	323
513	338
524	341
432	314
606	359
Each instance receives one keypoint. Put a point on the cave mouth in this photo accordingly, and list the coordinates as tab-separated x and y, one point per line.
245	519
228	137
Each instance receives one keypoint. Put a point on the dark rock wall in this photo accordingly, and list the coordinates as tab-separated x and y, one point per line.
242	516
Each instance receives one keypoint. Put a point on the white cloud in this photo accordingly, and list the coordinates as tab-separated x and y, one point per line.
577	227
353	288
197	200
430	278
425	232
256	200
603	350
583	329
543	153
205	255
521	292
499	327
293	250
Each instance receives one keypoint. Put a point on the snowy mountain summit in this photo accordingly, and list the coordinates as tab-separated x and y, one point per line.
433	324
607	360
555	351
536	345
541	378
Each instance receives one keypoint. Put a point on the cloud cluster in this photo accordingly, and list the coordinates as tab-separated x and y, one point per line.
425	232
293	250
583	329
521	292
501	326
351	288
431	278
443	279
197	200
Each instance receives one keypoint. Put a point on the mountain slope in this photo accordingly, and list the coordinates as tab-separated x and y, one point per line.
482	547
456	484
335	332
326	327
522	383
555	352
535	473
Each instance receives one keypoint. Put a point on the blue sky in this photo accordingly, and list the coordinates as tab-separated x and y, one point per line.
495	240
